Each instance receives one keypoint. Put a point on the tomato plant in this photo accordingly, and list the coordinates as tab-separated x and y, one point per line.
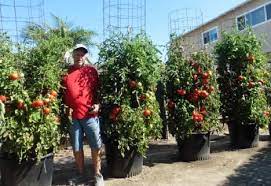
192	92
242	76
130	69
29	85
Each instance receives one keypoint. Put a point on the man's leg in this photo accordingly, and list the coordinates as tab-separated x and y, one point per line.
79	161
96	160
77	144
92	129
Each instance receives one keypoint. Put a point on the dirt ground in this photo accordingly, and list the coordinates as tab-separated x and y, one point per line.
162	168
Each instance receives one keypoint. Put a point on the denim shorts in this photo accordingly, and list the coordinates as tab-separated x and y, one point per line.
91	128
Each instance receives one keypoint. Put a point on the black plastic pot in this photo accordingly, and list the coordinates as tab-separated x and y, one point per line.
243	136
269	128
233	132
27	173
194	147
248	136
121	167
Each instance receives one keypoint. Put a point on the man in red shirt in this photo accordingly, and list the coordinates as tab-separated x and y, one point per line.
81	96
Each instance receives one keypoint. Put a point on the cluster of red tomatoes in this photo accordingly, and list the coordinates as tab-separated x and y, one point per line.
38	103
44	104
200	91
250	84
116	110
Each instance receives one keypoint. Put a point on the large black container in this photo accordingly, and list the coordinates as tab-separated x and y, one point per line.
233	132
248	136
120	167
243	136
27	173
194	147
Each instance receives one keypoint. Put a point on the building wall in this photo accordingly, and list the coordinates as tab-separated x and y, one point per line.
193	40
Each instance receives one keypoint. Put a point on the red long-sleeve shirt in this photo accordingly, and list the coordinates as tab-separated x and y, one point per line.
81	90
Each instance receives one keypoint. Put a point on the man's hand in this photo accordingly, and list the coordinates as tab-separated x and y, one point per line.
94	109
68	112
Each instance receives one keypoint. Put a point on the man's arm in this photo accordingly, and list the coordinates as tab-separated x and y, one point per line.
96	97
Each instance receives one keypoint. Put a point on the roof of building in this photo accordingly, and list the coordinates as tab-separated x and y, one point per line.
219	16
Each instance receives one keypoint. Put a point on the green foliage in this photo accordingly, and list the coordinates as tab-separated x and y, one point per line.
130	69
192	92
29	81
242	76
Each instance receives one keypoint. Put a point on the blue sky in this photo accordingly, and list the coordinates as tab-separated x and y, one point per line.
89	14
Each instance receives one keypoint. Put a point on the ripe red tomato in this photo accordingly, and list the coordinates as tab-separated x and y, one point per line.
20	104
46	111
205	75
194	97
116	110
251	84
142	97
14	76
53	93
171	104
37	103
181	92
196	91
132	84
203	110
200	118
3	98
266	113
199	70
195	77
147	112
205	81
211	89
203	94
194	113
240	78
197	117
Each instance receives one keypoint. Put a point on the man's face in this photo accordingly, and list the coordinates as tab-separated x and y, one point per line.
79	57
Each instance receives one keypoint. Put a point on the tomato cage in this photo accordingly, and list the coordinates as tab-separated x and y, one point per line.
181	23
124	16
184	20
15	15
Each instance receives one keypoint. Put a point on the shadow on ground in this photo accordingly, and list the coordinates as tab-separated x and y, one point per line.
65	171
256	171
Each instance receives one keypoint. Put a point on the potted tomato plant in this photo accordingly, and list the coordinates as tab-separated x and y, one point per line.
193	101
242	76
130	69
30	129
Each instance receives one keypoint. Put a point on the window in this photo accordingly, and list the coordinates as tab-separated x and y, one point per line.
241	22
210	36
268	11
254	17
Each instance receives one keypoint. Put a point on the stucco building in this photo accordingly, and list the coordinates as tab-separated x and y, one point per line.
254	13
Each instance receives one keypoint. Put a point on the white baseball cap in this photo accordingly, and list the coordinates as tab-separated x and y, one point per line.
77	46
